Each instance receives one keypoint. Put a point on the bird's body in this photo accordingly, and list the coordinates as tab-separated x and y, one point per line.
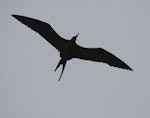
68	48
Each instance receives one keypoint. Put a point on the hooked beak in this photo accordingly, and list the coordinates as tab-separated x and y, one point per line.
77	35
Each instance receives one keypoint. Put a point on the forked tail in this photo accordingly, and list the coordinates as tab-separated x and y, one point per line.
63	62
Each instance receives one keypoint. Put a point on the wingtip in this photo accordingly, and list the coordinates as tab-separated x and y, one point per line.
131	69
15	16
12	15
128	68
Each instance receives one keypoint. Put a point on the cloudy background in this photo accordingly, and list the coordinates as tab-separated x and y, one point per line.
29	87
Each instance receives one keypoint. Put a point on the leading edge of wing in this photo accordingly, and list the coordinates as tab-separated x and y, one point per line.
100	55
44	29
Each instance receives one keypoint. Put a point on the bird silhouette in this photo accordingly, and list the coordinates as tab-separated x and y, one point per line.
69	48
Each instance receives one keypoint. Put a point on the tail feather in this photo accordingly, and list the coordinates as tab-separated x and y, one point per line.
64	64
58	65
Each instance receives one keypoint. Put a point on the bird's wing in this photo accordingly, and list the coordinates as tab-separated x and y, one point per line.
99	55
44	29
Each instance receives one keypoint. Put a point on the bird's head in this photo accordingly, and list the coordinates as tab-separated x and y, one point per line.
74	38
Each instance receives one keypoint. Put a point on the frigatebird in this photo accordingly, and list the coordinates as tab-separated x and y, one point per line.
69	48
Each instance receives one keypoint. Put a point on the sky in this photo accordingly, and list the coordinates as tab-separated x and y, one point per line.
29	87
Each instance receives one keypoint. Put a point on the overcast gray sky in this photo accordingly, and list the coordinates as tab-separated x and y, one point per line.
29	87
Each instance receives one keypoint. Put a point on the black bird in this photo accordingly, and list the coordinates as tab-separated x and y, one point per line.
68	48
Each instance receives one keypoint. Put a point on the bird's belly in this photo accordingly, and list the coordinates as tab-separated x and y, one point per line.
67	52
67	55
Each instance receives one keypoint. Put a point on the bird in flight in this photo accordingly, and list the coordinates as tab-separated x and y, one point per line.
69	49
